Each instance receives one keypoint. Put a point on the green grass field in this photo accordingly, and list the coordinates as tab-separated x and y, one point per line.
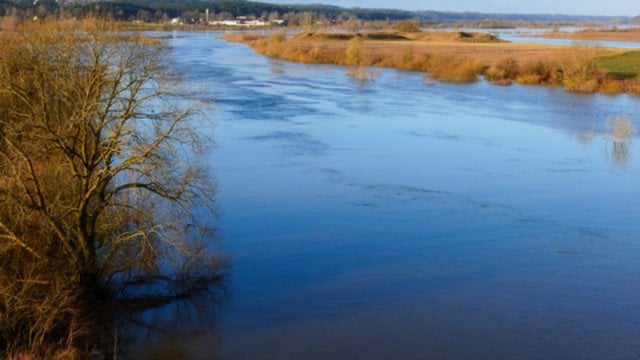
623	66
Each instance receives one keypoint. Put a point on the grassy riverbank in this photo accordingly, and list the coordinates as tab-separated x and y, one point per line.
459	57
628	35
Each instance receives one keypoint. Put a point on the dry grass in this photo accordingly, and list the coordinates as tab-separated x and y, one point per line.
382	35
408	26
630	35
457	57
460	36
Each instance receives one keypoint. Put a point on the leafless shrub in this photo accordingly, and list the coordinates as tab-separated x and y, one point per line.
503	72
354	55
580	69
407	26
277	37
100	199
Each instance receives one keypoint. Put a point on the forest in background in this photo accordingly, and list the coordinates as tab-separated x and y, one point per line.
165	10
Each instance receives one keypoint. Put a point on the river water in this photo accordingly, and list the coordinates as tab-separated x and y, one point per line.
410	219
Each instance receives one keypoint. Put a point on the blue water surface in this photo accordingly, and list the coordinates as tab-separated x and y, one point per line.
404	219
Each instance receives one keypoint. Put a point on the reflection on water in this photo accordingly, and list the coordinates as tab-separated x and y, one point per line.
362	75
621	132
398	220
587	137
620	153
617	136
159	333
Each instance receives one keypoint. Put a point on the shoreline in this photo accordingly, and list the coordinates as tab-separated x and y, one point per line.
459	57
615	35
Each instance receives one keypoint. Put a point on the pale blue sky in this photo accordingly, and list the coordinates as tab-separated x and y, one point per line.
583	7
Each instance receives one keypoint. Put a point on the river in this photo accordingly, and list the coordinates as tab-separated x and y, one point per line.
410	219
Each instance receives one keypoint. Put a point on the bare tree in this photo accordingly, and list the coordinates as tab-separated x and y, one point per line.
98	186
309	20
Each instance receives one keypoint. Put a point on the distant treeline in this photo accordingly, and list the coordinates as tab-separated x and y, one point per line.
153	10
454	17
162	10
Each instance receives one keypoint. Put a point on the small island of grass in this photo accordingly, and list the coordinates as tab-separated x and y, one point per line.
597	34
460	57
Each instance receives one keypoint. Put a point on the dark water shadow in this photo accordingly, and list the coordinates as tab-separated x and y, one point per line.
168	331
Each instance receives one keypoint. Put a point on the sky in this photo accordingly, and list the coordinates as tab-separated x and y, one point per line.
578	7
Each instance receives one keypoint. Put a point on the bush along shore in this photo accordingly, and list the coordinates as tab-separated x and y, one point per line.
460	57
102	199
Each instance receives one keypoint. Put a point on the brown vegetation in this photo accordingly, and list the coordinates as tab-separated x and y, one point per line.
456	36
630	35
96	198
454	56
410	26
